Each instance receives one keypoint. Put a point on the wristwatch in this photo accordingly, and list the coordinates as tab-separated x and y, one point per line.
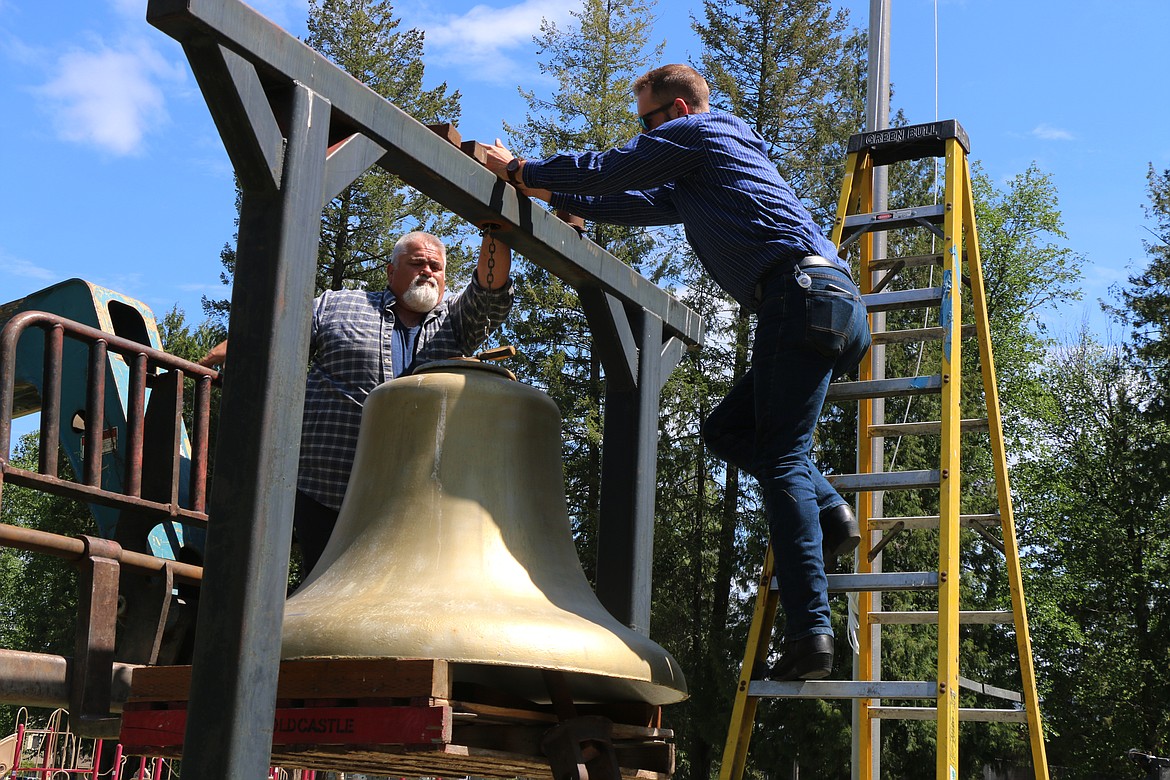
512	169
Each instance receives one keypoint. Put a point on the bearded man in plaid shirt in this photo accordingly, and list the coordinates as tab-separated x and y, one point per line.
361	339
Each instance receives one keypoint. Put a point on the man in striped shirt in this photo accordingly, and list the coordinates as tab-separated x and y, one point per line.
712	173
362	338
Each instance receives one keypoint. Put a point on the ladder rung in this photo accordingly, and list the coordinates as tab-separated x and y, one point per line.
909	261
894	219
930	521
965	713
884	388
914	335
927	428
842	689
993	618
990	690
897	300
883	581
884	480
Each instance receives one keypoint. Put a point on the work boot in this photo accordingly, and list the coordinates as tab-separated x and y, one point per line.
810	658
840	533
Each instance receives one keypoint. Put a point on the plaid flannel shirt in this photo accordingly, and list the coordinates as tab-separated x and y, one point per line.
352	336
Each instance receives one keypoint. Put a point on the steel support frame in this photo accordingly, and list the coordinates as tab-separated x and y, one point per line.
93	658
637	358
298	129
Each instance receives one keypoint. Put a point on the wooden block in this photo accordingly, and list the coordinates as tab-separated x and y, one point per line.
441	761
448	131
574	221
349	678
146	730
316	678
475	149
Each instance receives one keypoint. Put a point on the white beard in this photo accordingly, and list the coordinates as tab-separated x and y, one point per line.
422	296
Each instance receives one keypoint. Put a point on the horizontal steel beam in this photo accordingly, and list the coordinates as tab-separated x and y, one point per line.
72	549
42	680
420	157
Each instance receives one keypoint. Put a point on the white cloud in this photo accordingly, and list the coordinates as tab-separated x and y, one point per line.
16	266
132	9
1046	132
109	97
477	41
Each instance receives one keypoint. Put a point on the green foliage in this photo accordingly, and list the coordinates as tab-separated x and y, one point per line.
594	62
1147	297
360	225
38	593
787	68
1096	523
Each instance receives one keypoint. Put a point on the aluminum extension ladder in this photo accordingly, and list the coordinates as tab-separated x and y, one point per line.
953	223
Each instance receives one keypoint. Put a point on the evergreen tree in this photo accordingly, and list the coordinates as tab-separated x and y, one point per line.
359	226
1095	516
594	62
788	69
1147	298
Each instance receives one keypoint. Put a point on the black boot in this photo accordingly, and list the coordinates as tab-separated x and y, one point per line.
810	658
840	532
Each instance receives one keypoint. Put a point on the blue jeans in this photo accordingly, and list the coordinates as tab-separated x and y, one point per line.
804	339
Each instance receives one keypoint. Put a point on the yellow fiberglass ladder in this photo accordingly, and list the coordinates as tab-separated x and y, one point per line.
951	222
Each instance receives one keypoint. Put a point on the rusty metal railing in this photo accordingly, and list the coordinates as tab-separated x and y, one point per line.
91	683
142	360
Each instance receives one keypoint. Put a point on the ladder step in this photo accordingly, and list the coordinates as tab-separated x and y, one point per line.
895	219
974	714
990	690
876	581
842	689
914	335
883	581
898	300
927	428
931	521
884	388
993	618
909	261
884	480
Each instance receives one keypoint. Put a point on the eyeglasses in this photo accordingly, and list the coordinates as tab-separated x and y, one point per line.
642	120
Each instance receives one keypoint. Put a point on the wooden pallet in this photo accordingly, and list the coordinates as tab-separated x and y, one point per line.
397	718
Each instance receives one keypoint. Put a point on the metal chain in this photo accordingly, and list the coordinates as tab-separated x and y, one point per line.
489	231
491	272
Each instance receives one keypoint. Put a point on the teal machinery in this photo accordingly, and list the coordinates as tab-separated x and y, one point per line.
111	312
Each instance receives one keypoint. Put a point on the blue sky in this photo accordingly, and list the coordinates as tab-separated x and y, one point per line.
114	172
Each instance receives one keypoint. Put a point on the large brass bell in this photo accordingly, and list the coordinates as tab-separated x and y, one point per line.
453	543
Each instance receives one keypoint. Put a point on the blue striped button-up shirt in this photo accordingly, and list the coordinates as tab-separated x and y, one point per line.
352	350
711	172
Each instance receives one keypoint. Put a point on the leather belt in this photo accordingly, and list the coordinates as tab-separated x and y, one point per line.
808	261
816	261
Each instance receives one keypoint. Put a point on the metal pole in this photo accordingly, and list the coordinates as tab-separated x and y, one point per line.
877	117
